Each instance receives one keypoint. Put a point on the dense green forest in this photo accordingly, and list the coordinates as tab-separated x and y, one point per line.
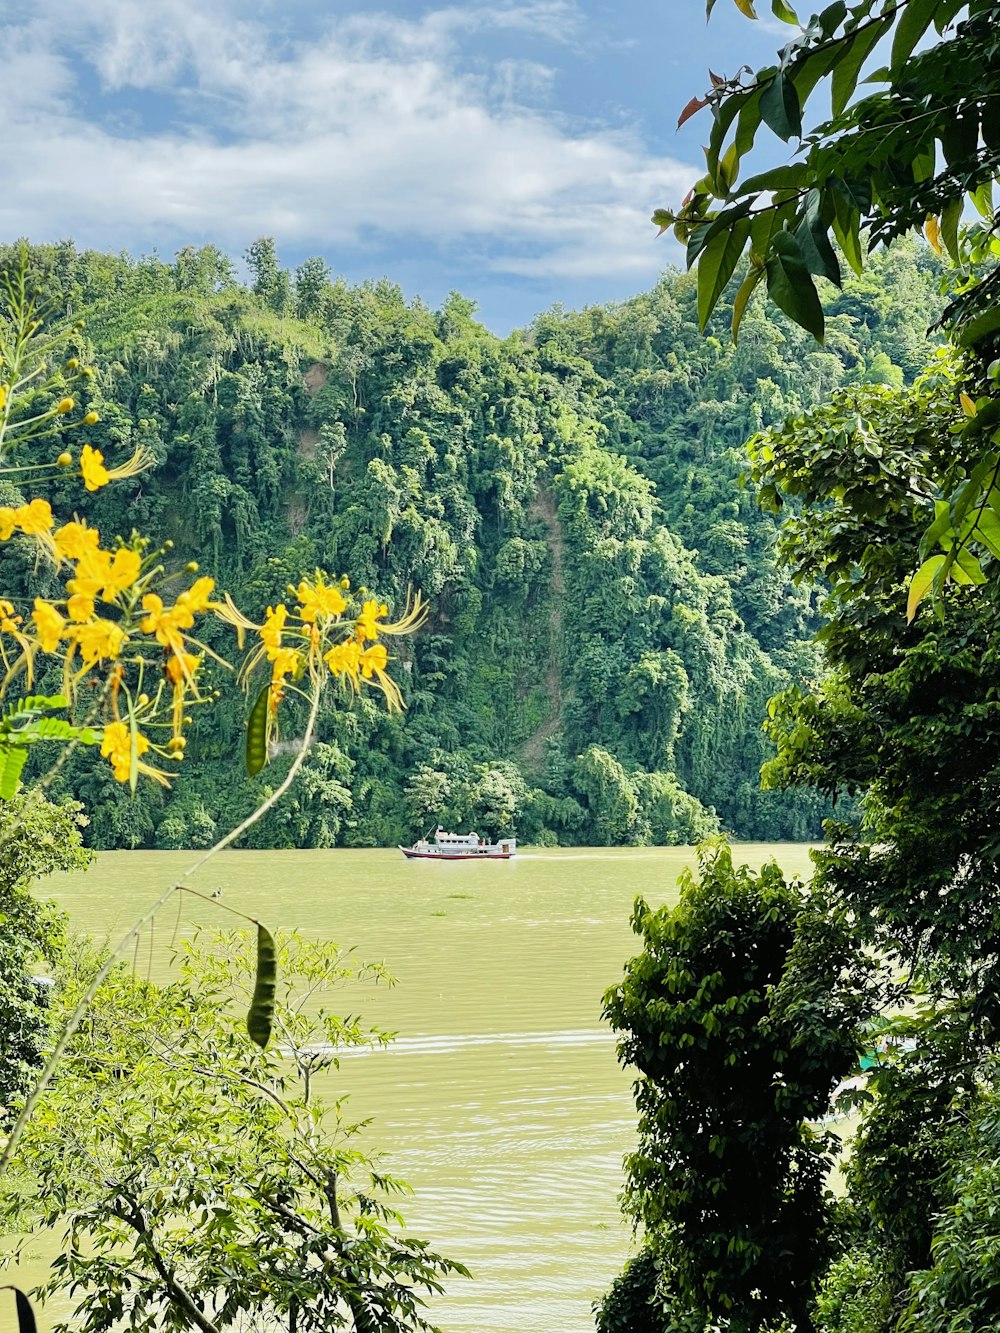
607	619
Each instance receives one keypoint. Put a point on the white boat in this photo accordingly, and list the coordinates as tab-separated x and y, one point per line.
460	847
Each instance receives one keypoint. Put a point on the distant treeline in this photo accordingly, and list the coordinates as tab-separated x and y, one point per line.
607	623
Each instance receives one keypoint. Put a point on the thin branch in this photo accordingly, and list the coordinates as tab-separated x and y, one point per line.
76	1017
277	794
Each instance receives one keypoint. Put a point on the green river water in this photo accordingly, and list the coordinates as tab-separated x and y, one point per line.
501	1101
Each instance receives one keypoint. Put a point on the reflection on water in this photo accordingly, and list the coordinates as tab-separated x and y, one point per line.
501	1101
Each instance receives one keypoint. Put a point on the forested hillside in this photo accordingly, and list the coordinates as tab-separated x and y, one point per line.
606	622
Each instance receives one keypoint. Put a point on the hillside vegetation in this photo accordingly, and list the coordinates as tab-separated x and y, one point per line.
607	622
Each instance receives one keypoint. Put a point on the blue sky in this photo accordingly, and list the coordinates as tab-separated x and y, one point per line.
511	150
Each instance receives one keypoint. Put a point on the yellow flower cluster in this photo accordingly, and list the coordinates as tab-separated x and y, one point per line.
321	629
115	622
121	579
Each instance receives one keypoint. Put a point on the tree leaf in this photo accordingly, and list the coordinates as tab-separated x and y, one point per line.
788	177
12	759
695	104
746	290
779	107
716	265
967	570
932	230
25	1314
746	7
951	215
915	21
790	285
855	52
920	584
784	12
814	241
987	529
260	1015
256	748
847	229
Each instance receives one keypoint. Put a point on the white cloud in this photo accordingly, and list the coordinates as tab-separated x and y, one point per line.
374	128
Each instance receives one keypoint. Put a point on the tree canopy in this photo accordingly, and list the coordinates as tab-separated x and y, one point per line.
906	155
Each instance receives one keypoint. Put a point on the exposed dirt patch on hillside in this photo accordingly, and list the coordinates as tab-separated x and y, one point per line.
315	377
532	751
308	443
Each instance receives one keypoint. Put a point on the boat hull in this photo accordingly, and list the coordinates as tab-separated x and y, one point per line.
411	855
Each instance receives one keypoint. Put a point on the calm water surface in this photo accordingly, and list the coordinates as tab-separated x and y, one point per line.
501	1101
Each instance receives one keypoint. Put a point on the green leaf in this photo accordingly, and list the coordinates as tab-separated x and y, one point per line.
814	241
847	229
788	177
945	11
779	107
746	7
716	265
832	17
790	285
976	329
920	584
915	21
987	530
967	570
12	760
982	197
935	533
746	290
853	55
260	1015
256	750
783	12
959	140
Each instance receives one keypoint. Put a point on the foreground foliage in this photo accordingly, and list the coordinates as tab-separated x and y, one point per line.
740	1015
37	839
202	1182
906	719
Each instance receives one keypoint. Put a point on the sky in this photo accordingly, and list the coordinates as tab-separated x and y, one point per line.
512	150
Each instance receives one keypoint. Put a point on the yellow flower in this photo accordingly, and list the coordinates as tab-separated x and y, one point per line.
64	460
373	664
100	641
117	746
122	572
318	599
35	518
8	621
8	522
370	612
80	607
92	461
73	539
374	659
272	628
49	625
91	419
195	598
101	572
3	396
163	621
181	667
344	660
92	469
65	405
284	662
